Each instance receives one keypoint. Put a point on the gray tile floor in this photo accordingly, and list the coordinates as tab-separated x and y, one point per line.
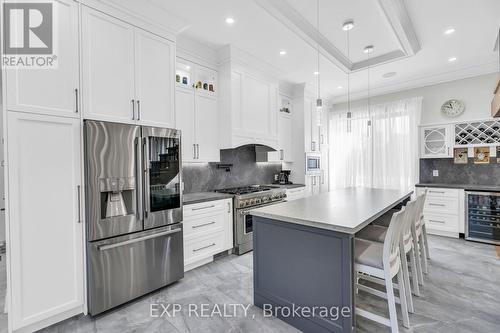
461	294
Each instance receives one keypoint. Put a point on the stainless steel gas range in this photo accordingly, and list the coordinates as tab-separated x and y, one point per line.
245	199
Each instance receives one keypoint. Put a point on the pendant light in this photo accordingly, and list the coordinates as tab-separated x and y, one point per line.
319	101
369	50
347	27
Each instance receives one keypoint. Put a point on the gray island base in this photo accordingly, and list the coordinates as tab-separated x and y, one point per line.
303	255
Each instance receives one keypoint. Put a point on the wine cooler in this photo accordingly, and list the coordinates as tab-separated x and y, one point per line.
483	217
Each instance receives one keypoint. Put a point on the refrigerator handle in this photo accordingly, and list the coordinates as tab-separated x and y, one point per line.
145	181
138	168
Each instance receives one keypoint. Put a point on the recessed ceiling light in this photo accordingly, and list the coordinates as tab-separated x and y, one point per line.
340	87
229	20
316	73
449	31
389	74
452	59
282	52
188	67
348	25
368	49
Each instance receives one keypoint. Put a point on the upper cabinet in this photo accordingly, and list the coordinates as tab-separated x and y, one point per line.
248	108
436	141
50	91
196	107
126	72
312	125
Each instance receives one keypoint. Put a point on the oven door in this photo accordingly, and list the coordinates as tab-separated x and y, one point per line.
244	224
313	163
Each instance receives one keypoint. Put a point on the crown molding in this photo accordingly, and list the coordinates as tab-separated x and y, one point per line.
420	82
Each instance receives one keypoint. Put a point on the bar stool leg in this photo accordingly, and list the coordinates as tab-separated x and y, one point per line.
423	255
406	282
403	299
426	244
391	301
414	276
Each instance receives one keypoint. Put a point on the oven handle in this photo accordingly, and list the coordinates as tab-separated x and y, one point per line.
246	212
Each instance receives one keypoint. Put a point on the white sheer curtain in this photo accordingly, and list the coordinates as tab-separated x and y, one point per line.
383	155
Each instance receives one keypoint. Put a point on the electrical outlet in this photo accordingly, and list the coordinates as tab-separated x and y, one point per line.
435	173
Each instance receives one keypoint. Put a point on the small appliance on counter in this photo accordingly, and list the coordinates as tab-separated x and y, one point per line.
283	178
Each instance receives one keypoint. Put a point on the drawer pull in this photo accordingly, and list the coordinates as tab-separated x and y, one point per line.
200	208
439	205
204	247
437	221
439	192
203	225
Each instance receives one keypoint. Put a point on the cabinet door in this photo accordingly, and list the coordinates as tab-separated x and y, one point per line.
435	142
50	91
285	138
154	79
315	127
46	249
184	109
308	109
206	127
255	102
107	67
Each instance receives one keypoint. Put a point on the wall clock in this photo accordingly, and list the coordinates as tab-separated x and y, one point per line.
453	108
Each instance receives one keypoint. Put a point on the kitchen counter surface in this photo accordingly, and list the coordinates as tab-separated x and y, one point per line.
197	197
343	210
462	186
287	186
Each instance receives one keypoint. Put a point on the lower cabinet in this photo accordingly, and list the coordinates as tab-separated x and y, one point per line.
44	210
295	193
208	230
313	184
444	211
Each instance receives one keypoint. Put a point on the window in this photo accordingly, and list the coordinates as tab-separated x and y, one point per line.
376	148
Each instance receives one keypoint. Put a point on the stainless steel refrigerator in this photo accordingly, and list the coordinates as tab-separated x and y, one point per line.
133	178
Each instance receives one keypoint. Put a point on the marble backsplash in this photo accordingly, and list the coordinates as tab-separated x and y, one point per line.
245	171
451	173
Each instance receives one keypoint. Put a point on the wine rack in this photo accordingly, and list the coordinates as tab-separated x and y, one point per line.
477	133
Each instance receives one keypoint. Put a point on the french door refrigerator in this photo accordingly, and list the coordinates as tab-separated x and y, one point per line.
133	211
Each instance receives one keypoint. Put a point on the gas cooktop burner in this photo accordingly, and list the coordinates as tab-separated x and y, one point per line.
246	189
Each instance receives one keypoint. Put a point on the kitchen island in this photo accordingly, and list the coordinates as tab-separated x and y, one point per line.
304	255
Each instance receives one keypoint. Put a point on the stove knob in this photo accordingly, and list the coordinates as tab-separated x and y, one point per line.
258	200
252	201
242	203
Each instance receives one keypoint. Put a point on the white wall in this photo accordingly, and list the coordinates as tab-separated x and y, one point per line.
476	92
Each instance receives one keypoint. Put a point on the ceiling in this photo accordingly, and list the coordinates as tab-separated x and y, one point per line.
408	38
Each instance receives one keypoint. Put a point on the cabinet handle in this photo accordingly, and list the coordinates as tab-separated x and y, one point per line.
322	176
439	205
133	109
437	221
200	208
194	151
282	154
322	139
76	101
314	180
313	145
197	151
202	225
440	192
228	207
204	247
138	110
78	189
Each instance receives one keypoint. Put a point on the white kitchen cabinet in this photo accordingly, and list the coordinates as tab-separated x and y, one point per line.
313	184
436	141
208	230
197	113
312	122
154	84
45	214
295	193
107	67
50	91
126	72
444	211
249	104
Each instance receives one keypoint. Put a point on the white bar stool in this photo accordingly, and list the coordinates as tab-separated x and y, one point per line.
383	261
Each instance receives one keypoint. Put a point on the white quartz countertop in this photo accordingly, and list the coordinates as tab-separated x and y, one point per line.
344	210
